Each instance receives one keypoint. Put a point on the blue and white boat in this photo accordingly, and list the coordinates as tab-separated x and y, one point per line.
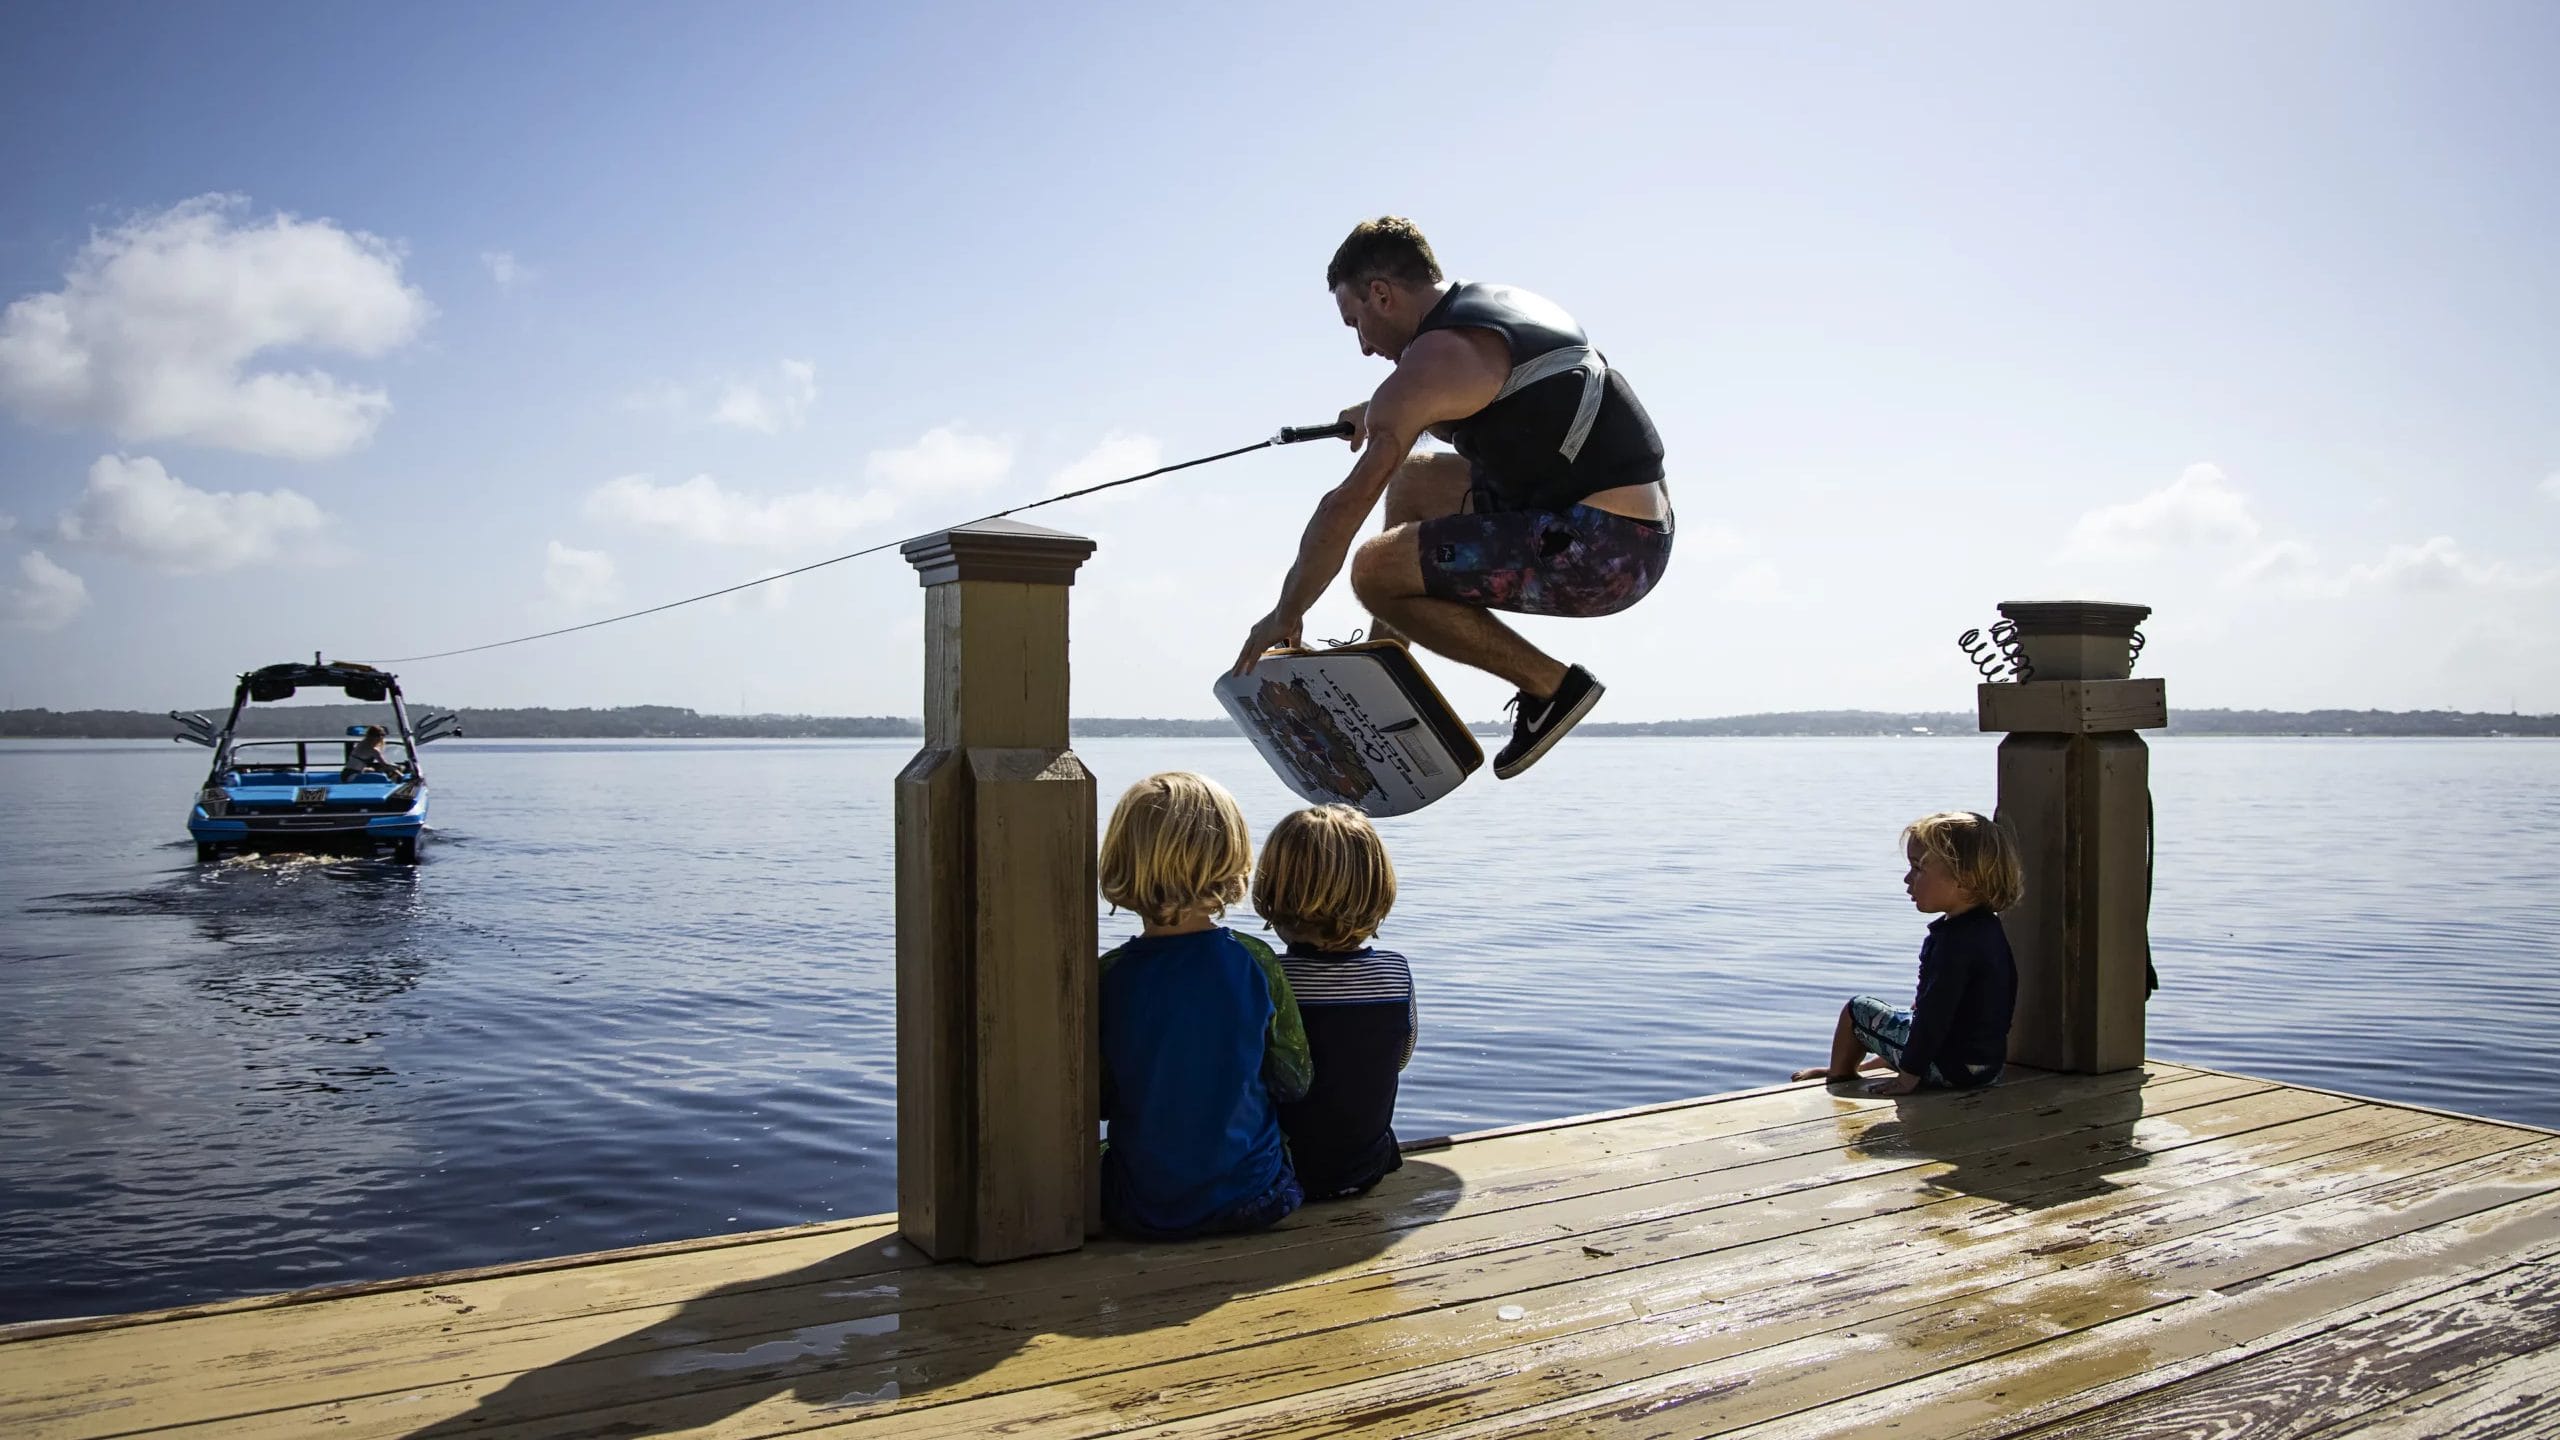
307	793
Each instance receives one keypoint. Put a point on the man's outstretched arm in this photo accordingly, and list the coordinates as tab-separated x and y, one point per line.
1442	377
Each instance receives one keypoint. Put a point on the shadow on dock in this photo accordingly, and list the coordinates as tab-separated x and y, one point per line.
2057	1171
873	1324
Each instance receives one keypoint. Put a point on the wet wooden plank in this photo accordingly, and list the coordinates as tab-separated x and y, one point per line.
1288	1368
1708	1367
2208	1320
1793	1388
2510	1400
1460	1309
974	1332
2341	1375
429	1331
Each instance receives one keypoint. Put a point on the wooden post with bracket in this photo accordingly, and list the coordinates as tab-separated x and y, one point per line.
2075	796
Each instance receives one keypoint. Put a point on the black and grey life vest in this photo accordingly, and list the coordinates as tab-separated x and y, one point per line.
1565	425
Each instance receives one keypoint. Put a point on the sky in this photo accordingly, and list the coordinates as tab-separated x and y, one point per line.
385	331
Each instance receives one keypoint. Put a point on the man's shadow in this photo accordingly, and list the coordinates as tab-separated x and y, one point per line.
871	1324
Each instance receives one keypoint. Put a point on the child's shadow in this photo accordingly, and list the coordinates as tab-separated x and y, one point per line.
868	1326
2045	1165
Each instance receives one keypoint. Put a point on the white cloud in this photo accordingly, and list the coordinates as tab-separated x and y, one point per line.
136	508
158	320
946	460
2439	565
943	463
704	511
8	523
767	405
1119	454
2282	561
505	268
579	579
2551	484
46	597
769	409
2199	508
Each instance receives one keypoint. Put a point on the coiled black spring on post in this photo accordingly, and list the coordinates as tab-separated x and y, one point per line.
2132	652
1997	655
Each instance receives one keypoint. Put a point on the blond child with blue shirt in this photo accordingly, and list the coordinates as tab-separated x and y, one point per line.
1201	1040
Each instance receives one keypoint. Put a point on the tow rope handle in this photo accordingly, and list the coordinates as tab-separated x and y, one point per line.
1293	434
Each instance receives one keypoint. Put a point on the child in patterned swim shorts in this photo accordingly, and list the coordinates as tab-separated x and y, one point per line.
1955	1033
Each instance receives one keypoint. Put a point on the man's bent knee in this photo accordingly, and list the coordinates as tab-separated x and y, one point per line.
1387	567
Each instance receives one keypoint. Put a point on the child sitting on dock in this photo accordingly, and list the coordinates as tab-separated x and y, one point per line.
1956	1032
1324	884
1201	1042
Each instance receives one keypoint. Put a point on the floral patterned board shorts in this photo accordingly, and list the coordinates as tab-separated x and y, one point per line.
1577	562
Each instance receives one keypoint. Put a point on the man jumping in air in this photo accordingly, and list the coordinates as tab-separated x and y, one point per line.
1554	504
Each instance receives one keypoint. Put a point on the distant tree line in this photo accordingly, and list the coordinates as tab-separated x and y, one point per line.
627	722
667	722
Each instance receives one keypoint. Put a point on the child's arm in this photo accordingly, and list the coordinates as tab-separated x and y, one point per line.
1288	1068
1412	1028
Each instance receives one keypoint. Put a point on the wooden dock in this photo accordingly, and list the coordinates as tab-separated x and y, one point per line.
2168	1251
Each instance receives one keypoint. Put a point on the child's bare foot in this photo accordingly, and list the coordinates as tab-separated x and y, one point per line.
1819	1073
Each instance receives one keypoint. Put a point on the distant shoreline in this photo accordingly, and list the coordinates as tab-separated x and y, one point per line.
665	722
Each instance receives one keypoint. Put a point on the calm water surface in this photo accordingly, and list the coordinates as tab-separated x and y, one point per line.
639	992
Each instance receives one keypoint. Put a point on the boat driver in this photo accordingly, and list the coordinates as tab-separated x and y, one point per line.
1554	503
365	757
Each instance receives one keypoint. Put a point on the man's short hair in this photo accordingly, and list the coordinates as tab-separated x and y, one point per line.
1387	248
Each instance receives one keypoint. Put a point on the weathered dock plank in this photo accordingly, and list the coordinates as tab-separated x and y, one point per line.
2163	1251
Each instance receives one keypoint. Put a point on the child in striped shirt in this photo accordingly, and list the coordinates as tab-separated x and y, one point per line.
1324	884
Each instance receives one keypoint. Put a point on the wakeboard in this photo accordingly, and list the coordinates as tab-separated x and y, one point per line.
1357	725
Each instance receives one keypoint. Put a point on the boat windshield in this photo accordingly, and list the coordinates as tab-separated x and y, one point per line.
249	756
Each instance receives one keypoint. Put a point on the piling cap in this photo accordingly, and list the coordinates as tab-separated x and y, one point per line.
2076	639
997	550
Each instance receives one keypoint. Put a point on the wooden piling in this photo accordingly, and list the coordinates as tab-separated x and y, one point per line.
2075	795
998	1082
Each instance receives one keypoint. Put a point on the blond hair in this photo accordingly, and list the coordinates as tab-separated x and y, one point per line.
1325	879
1176	846
1975	851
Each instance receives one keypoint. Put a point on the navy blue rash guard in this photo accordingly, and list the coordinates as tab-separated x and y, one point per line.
1359	1011
1967	992
1200	1040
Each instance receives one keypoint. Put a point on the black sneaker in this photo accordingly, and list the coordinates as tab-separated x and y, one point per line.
1538	724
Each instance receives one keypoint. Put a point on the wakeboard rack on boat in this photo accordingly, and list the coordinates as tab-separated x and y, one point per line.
306	793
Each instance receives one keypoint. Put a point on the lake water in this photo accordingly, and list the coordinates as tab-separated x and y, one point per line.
639	992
